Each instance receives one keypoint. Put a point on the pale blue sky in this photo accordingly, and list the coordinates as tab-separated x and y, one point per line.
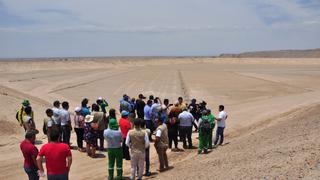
46	28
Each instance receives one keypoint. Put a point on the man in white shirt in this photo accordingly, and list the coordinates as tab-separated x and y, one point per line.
65	123
185	128
221	121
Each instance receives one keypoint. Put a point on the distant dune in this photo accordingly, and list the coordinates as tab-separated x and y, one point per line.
309	53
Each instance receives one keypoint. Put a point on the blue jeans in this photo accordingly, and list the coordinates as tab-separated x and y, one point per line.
58	176
219	135
32	173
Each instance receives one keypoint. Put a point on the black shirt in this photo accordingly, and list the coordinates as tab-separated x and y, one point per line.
140	108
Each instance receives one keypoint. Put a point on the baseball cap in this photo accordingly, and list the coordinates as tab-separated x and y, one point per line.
124	113
77	109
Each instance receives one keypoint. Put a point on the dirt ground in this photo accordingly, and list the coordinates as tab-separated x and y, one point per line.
273	107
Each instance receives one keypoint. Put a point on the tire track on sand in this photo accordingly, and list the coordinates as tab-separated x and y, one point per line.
6	91
89	82
184	89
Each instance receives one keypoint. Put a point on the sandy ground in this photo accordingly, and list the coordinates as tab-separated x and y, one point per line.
273	107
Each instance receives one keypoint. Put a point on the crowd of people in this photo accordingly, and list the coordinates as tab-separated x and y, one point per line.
143	121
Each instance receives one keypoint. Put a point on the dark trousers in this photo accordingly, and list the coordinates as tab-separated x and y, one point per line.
140	115
147	158
195	125
149	125
101	139
173	136
32	173
185	133
58	176
125	150
66	134
219	135
79	132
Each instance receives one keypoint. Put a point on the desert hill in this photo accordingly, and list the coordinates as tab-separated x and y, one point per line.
309	53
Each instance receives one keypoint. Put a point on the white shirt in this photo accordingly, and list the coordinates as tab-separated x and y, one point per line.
186	119
223	117
64	117
49	123
56	115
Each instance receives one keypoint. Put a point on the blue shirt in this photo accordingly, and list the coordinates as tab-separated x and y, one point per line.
113	137
85	111
147	113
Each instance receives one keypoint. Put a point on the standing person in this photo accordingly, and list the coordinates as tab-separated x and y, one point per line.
112	115
221	121
155	109
193	107
131	118
147	154
182	105
173	126
212	125
48	123
78	120
28	122
140	104
57	116
114	139
204	133
125	126
137	139
163	113
56	112
103	104
90	135
84	107
125	105
147	117
58	158
66	126
30	152
185	128
161	144
21	112
100	118
133	105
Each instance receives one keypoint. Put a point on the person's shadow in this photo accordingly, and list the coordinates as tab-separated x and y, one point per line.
99	155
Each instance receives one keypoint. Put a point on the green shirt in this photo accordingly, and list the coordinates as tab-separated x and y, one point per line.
212	120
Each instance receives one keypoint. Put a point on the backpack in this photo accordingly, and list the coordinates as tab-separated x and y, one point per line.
205	126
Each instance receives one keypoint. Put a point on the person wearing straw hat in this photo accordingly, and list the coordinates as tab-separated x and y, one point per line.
90	135
114	138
